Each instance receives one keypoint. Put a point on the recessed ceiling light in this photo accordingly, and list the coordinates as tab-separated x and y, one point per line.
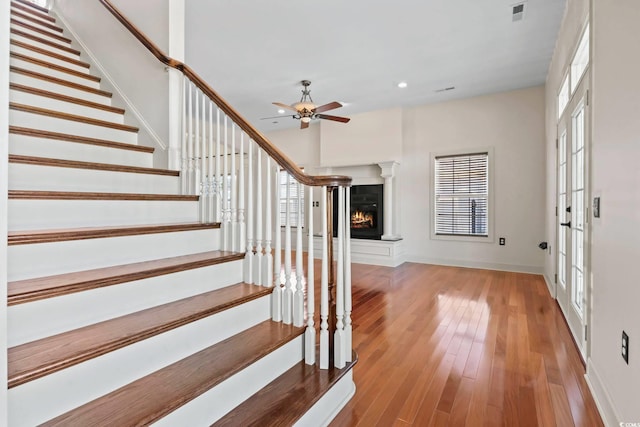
402	85
281	111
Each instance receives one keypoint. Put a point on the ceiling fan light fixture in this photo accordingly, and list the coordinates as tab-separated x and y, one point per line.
305	119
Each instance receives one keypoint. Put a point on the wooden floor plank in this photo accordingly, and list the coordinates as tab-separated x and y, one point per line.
478	348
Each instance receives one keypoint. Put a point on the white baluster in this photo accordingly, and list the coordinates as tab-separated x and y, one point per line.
348	329
226	211
298	296
257	271
190	180
201	188
248	258
310	332
184	163
234	198
211	214
287	301
338	343
218	181
241	201
276	296
324	288
268	256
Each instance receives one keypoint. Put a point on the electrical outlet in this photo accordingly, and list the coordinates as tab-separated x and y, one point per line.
625	347
502	241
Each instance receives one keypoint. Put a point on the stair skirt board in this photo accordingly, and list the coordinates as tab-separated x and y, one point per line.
26	145
48	55
80	309
62	124
325	410
30	214
49	103
40	400
76	91
214	404
52	178
46	259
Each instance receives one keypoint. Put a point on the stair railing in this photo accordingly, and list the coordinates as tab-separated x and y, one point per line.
236	171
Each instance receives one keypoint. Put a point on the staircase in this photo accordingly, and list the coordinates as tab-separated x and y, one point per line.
125	307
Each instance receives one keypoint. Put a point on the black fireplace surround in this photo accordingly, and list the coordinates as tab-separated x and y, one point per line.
366	212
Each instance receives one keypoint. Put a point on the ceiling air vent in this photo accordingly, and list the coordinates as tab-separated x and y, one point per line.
517	13
445	89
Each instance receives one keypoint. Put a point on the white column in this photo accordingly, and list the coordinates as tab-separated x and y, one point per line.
388	173
176	51
310	332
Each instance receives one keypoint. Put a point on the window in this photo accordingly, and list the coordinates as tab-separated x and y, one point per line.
461	195
563	96
285	180
580	60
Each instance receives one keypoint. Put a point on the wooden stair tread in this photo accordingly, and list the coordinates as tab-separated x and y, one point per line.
40	31
84	233
71	117
65	98
152	397
287	398
55	67
58	81
49	53
31	5
35	20
44	161
51	354
38	133
80	195
34	12
23	291
33	37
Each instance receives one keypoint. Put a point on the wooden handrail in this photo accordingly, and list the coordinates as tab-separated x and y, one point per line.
257	136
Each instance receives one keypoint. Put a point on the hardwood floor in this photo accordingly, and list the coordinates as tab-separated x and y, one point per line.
445	346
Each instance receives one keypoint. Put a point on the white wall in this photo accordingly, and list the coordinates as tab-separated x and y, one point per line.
511	122
140	77
4	152
616	179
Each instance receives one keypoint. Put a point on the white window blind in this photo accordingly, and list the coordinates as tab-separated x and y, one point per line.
293	199
462	194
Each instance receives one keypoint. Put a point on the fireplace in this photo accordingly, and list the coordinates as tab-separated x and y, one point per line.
366	212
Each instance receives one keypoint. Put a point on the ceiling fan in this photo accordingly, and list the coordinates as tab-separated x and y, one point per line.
306	110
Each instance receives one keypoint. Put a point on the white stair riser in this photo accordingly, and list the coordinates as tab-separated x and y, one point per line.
39	400
39	25
212	405
45	259
79	309
17	62
325	410
31	15
67	150
57	88
37	55
45	46
49	36
54	124
42	214
51	178
35	100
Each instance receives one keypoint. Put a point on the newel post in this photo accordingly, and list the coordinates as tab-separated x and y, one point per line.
331	276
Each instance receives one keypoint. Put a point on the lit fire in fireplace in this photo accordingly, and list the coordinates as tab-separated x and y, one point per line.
361	219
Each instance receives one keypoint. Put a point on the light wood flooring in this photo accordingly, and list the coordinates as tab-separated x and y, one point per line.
445	346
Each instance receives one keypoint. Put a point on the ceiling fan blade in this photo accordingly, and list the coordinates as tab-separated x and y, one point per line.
334	118
304	125
326	107
284	116
288	107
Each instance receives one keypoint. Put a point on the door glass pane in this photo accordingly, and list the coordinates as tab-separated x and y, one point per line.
562	205
577	210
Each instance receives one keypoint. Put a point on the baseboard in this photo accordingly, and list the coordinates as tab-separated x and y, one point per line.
603	400
550	286
130	106
530	269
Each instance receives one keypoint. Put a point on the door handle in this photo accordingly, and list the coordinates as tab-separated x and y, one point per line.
566	224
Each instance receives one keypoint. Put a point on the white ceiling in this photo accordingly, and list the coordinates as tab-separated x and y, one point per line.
254	52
